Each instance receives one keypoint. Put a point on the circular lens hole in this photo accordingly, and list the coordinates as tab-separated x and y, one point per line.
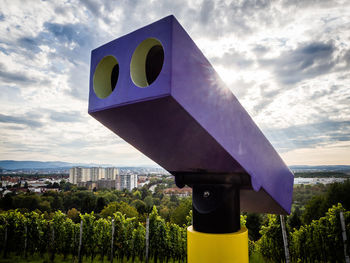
114	76
106	76
147	62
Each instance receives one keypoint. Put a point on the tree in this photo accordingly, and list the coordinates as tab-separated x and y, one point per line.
338	193
137	194
140	206
145	192
121	207
253	224
57	203
294	220
45	206
74	215
65	186
29	201
127	210
178	216
314	209
318	205
101	203
173	198
149	203
164	212
109	210
88	203
7	202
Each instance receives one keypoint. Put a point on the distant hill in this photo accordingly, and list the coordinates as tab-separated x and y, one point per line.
322	174
28	165
319	168
36	165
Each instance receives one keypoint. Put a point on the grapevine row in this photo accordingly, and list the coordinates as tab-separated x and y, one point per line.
319	241
30	233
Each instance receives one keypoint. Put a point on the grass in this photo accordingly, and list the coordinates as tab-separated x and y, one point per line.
254	258
257	258
59	259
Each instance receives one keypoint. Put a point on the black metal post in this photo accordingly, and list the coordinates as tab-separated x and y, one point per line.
215	200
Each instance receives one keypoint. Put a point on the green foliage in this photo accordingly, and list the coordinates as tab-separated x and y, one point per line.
122	207
101	203
138	242
314	209
254	222
321	240
171	208
109	210
270	245
302	194
294	220
53	233
29	201
57	235
15	228
167	240
89	235
103	235
74	215
140	206
318	206
137	194
149	203
189	218
39	227
243	220
251	247
179	215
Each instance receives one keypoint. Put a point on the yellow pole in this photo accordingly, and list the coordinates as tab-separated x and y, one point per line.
217	248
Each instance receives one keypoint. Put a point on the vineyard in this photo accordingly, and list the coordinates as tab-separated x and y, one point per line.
124	239
28	234
320	241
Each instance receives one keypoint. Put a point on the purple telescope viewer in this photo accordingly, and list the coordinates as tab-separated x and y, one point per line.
155	89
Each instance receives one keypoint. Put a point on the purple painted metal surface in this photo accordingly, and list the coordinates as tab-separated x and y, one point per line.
188	120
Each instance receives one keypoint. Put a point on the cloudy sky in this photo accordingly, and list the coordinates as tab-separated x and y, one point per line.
287	61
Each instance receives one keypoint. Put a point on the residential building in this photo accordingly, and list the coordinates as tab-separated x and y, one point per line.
84	174
99	177
128	181
111	173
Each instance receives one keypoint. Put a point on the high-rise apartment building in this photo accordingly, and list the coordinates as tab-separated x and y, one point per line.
85	175
128	181
103	177
97	173
111	173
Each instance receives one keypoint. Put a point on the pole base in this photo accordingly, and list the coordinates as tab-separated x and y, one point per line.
218	248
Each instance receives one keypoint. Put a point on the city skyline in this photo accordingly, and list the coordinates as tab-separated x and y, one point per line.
288	64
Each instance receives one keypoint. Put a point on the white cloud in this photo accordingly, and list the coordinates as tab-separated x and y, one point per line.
287	61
